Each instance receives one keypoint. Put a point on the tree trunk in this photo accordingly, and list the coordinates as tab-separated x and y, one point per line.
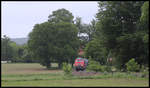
60	65
72	65
48	65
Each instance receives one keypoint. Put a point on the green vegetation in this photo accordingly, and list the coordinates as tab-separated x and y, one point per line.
67	68
119	33
7	50
59	40
132	66
79	82
94	66
37	75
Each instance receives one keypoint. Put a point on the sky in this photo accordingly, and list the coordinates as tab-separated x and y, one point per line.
19	18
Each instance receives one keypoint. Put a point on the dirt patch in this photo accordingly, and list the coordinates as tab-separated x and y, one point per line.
85	73
32	71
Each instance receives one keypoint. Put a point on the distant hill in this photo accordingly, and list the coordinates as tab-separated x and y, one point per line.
19	41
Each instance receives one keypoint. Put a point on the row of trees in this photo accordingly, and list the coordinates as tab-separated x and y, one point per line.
6	49
56	40
121	33
10	51
59	38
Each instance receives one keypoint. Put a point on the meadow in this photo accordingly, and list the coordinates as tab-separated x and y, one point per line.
33	74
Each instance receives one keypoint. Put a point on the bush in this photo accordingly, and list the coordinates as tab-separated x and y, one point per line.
113	69
132	66
107	68
102	68
144	71
94	66
67	68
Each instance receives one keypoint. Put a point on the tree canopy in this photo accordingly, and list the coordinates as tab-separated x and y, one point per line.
119	32
61	15
55	40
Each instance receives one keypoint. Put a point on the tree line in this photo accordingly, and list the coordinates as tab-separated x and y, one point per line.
10	51
120	31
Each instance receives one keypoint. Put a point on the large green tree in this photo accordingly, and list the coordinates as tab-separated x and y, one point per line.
116	29
55	40
38	43
143	31
61	15
66	43
15	53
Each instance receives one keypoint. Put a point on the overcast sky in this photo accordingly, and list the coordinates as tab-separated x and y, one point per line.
18	18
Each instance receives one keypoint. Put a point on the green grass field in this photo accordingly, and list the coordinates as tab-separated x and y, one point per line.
22	74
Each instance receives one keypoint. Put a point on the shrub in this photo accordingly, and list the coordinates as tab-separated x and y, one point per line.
94	66
144	71
107	68
102	68
67	68
113	69
132	66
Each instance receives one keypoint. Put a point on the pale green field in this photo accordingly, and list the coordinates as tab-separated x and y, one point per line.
36	75
79	82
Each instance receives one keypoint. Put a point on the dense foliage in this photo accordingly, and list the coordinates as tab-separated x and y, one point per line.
6	49
67	68
55	40
121	33
132	66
